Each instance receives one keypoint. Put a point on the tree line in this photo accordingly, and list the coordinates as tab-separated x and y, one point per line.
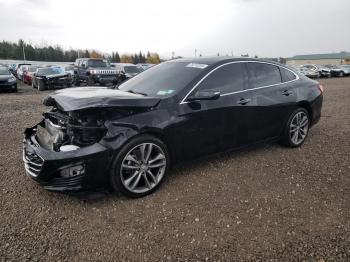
11	50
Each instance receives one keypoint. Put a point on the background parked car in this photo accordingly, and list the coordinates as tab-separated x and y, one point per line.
50	78
144	66
343	70
130	70
28	74
95	71
324	71
311	71
20	71
7	80
69	69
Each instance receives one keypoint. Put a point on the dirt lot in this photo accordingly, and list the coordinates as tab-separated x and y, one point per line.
268	202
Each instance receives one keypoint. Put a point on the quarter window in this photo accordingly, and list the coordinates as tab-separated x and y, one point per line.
287	75
227	79
261	74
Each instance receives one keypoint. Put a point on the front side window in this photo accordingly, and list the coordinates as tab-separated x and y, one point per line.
226	79
261	74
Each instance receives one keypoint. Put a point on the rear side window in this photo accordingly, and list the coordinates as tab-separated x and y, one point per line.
287	75
227	79
261	74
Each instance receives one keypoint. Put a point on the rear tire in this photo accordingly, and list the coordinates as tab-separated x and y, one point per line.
296	128
136	174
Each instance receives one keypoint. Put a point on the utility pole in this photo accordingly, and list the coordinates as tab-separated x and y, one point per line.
195	52
24	54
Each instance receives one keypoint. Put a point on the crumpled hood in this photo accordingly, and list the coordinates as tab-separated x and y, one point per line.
71	99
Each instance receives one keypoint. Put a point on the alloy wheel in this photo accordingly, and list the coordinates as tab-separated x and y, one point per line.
299	127
143	168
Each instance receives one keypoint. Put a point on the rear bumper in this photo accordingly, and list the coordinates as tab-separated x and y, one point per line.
316	107
47	167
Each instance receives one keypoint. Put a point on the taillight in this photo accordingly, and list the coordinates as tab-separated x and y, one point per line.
320	87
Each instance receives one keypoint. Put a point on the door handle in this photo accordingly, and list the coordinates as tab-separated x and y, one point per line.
243	101
287	92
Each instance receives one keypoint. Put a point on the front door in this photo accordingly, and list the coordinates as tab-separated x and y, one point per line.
209	126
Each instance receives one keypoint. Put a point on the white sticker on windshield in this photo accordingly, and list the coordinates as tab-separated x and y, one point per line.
195	65
165	92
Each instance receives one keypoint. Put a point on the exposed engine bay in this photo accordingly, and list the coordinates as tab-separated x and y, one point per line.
60	128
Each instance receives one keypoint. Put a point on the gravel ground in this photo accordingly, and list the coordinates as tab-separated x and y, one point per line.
264	203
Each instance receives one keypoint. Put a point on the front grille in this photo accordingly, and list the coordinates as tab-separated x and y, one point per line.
32	163
107	72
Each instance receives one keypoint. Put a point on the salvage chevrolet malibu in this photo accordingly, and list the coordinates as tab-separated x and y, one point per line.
127	139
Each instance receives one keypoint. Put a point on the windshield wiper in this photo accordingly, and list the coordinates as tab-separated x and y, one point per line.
139	93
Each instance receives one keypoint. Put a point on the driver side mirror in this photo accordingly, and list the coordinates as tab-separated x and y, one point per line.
204	95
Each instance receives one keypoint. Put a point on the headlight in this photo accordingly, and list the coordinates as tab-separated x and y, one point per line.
12	79
93	72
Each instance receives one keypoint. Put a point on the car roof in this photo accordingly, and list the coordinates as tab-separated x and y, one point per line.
220	60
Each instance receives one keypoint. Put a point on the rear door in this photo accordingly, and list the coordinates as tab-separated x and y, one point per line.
268	102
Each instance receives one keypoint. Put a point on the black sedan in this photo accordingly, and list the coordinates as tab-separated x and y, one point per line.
127	139
51	78
7	81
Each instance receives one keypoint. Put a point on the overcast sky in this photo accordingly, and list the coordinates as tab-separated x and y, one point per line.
267	28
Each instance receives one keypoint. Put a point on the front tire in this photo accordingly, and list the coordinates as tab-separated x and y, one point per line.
341	74
41	85
90	81
140	166
297	128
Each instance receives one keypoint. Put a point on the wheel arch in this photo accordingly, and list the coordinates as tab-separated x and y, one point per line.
307	107
159	135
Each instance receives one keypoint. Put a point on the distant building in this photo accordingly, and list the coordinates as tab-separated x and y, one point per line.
320	59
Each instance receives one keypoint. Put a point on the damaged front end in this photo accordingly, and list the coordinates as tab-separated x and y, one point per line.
72	148
62	152
61	131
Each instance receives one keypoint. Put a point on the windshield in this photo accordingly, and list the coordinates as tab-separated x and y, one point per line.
345	66
4	71
50	71
163	80
132	69
97	63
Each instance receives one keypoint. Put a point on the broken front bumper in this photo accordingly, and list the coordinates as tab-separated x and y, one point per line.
84	168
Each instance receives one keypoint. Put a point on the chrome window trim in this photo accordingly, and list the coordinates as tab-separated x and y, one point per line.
183	101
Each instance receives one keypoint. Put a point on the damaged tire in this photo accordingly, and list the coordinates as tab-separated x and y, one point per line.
140	167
